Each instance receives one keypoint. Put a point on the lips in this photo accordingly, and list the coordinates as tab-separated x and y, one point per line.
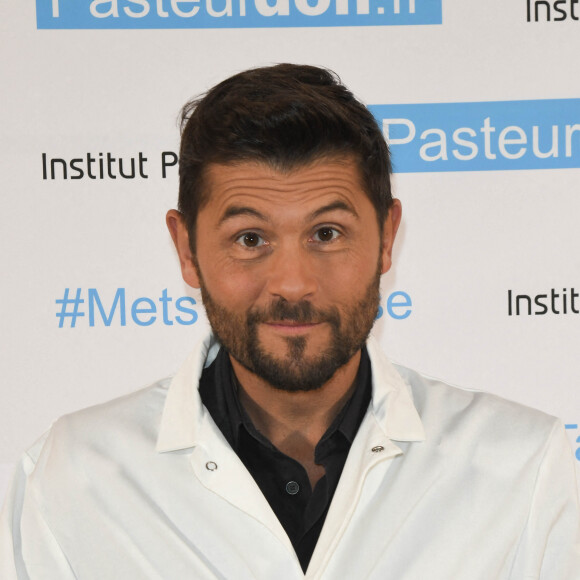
290	323
290	326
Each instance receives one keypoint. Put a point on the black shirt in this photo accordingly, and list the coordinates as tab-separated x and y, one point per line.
283	481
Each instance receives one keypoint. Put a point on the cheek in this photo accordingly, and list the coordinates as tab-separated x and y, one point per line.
346	290
233	286
350	272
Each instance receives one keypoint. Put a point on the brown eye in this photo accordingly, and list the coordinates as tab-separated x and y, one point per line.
326	235
250	240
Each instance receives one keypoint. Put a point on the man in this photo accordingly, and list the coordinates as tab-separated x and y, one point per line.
288	446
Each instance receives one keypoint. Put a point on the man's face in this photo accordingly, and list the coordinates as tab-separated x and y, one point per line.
289	267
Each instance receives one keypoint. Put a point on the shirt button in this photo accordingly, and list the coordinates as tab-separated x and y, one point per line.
292	488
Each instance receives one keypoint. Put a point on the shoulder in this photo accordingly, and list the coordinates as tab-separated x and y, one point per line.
119	424
483	418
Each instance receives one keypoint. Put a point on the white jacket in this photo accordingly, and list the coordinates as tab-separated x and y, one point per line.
440	484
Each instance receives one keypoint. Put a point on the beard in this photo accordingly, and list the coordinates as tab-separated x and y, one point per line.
295	370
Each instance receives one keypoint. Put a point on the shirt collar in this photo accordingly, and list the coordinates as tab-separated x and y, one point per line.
219	393
350	416
221	398
184	413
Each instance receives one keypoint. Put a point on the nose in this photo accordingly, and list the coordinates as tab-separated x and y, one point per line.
292	274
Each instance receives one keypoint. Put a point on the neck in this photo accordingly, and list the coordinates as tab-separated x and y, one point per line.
296	421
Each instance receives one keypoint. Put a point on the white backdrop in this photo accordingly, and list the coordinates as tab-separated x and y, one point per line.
468	236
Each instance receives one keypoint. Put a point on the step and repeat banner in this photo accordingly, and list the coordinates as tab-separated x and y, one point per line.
480	102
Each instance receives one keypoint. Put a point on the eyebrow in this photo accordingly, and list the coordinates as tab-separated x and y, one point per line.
236	210
335	205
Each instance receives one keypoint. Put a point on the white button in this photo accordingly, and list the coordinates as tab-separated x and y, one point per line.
377	449
211	466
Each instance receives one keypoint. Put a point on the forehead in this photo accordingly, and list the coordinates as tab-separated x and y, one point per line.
303	187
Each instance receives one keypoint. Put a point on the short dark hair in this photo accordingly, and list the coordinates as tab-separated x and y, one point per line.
286	116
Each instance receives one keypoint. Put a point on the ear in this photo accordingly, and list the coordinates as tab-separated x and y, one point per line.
390	228
180	236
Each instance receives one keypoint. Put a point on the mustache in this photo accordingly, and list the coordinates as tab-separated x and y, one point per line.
300	312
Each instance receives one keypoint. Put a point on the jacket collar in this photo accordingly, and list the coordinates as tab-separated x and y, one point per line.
392	401
184	413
